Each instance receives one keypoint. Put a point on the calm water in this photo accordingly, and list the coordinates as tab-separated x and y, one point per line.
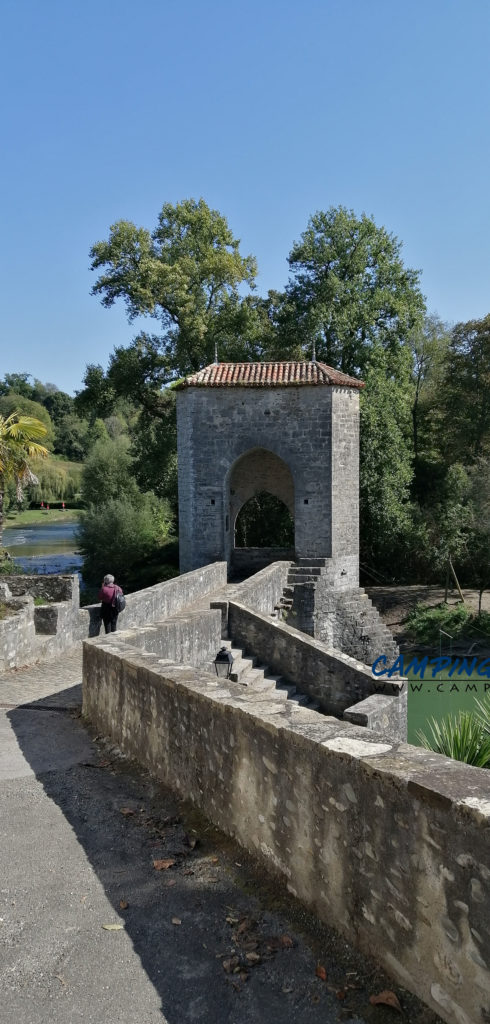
48	548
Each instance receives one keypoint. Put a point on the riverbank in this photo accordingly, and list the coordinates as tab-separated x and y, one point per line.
40	516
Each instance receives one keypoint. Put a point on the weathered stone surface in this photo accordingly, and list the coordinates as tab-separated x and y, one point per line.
386	842
335	680
299	443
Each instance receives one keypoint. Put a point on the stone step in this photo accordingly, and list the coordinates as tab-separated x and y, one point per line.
312	560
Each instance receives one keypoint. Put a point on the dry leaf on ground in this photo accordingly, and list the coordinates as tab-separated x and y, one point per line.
123	904
163	865
286	942
126	811
321	973
113	927
176	920
386	998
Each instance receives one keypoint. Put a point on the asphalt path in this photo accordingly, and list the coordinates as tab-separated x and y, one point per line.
120	905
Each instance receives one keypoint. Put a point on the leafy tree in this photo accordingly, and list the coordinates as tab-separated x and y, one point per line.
429	342
108	472
17	382
186	273
478	540
122	534
467	392
350	290
20	438
71	437
385	462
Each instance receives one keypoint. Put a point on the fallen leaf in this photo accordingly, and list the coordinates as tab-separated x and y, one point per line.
214	860
231	920
244	925
230	964
286	941
243	976
191	842
188	872
387	998
287	989
253	958
113	927
126	811
170	882
340	994
176	920
123	904
162	865
321	972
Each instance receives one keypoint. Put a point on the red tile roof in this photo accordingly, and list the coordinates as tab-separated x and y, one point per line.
263	375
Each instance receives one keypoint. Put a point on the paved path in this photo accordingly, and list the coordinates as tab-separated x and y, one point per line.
204	939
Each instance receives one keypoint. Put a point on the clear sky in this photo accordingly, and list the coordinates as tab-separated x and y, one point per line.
269	110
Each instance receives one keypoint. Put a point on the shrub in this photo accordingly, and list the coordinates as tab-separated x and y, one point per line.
122	534
462	737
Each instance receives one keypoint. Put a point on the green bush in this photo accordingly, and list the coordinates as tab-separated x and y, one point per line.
424	623
121	535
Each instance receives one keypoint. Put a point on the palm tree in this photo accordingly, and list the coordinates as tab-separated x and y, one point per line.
20	438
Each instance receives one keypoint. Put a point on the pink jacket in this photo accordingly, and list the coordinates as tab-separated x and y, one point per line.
108	592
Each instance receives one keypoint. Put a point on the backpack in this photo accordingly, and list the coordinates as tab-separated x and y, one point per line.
119	602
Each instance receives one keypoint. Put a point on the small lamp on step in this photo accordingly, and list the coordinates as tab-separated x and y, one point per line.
223	663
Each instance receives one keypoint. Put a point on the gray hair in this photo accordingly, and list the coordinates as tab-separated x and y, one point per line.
108	579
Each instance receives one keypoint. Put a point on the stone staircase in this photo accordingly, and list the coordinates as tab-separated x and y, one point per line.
258	678
357	619
305	570
345	619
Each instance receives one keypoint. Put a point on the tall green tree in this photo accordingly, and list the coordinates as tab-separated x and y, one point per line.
351	297
466	394
350	290
186	274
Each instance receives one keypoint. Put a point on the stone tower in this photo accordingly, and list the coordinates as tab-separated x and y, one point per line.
291	429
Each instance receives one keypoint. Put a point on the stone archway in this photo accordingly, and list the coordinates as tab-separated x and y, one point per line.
257	472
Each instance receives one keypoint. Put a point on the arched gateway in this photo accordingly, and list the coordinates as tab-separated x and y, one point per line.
287	429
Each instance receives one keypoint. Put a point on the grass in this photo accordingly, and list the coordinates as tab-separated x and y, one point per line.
423	624
5	611
38	517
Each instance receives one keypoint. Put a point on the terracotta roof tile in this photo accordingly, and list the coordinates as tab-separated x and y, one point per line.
263	375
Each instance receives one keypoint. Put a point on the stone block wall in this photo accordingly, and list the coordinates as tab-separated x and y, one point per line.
386	842
216	427
191	639
251	560
17	634
159	601
335	680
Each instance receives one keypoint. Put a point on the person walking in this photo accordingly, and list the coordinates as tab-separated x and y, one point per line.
108	608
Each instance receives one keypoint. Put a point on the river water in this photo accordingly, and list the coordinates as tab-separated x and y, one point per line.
47	548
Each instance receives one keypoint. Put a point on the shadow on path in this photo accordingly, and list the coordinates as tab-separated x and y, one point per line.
214	941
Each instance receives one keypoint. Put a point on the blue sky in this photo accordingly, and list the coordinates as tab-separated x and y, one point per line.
269	110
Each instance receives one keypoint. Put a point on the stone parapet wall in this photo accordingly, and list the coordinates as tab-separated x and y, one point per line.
51	588
192	639
335	680
17	634
262	591
159	601
252	560
386	842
